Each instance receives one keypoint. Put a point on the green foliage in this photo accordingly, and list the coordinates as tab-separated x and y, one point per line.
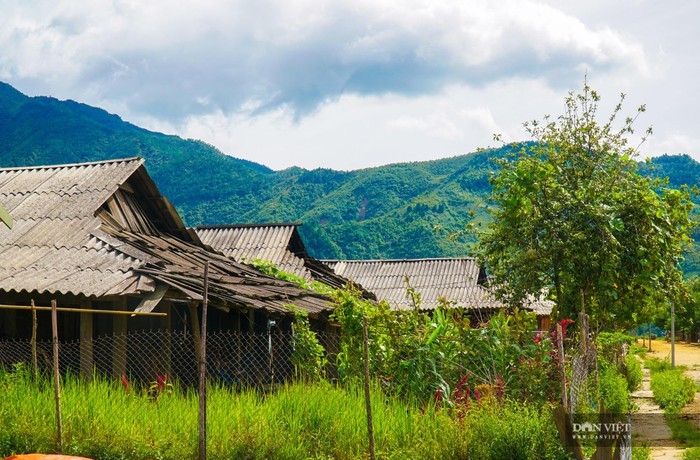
386	212
574	219
441	356
613	389
104	421
517	431
687	311
633	372
672	390
657	365
683	430
308	356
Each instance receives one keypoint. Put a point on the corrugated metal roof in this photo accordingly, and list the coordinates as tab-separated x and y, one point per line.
50	247
65	241
265	242
456	280
278	243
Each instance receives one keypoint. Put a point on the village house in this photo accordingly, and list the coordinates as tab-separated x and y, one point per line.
457	282
101	236
279	243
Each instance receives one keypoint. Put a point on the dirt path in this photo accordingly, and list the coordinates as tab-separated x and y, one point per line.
655	431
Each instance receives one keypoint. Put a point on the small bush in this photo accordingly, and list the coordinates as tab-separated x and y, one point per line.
657	365
513	431
633	372
692	454
613	390
672	390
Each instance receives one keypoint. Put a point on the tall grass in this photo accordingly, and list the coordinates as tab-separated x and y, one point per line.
105	421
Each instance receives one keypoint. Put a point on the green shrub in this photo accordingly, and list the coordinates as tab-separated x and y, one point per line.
692	454
633	372
641	453
657	365
613	389
513	431
684	430
672	390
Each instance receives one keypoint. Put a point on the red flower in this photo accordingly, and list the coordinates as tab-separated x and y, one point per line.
125	382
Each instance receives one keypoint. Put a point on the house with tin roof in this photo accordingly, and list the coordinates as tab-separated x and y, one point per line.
460	282
101	236
279	243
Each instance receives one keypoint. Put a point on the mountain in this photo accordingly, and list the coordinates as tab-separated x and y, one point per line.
396	211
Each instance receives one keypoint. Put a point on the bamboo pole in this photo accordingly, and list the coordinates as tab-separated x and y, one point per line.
35	362
56	377
203	370
368	400
82	310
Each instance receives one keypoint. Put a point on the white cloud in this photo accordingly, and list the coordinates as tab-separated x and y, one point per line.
163	58
349	84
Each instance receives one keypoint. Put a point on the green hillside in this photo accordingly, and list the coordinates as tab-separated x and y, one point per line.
395	211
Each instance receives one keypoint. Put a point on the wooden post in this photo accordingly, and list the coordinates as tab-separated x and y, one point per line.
673	337
86	344
194	323
35	363
238	341
368	400
56	378
119	348
203	370
167	351
562	367
650	335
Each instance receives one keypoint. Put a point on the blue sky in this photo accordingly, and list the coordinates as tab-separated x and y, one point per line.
353	84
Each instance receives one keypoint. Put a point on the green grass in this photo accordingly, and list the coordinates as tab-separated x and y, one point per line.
684	430
672	390
104	421
692	454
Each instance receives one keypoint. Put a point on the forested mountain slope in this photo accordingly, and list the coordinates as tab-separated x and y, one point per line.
395	211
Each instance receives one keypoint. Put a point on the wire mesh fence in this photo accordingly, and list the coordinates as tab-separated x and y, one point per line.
235	358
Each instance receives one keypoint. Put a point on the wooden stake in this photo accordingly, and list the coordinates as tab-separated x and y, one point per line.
368	400
35	362
196	331
56	377
562	367
203	370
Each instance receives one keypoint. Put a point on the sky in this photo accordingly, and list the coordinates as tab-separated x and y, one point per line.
350	84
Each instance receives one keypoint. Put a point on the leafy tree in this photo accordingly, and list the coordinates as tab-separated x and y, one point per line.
575	219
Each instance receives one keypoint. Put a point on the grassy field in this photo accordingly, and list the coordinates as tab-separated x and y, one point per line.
104	420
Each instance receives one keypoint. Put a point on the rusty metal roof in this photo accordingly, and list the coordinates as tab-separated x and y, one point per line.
457	280
77	231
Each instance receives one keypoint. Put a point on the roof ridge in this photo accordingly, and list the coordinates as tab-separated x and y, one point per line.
268	224
73	165
425	259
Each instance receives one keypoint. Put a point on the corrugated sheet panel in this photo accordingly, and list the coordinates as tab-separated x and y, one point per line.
50	247
265	242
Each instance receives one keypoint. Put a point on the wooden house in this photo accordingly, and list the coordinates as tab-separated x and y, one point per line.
100	235
279	243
